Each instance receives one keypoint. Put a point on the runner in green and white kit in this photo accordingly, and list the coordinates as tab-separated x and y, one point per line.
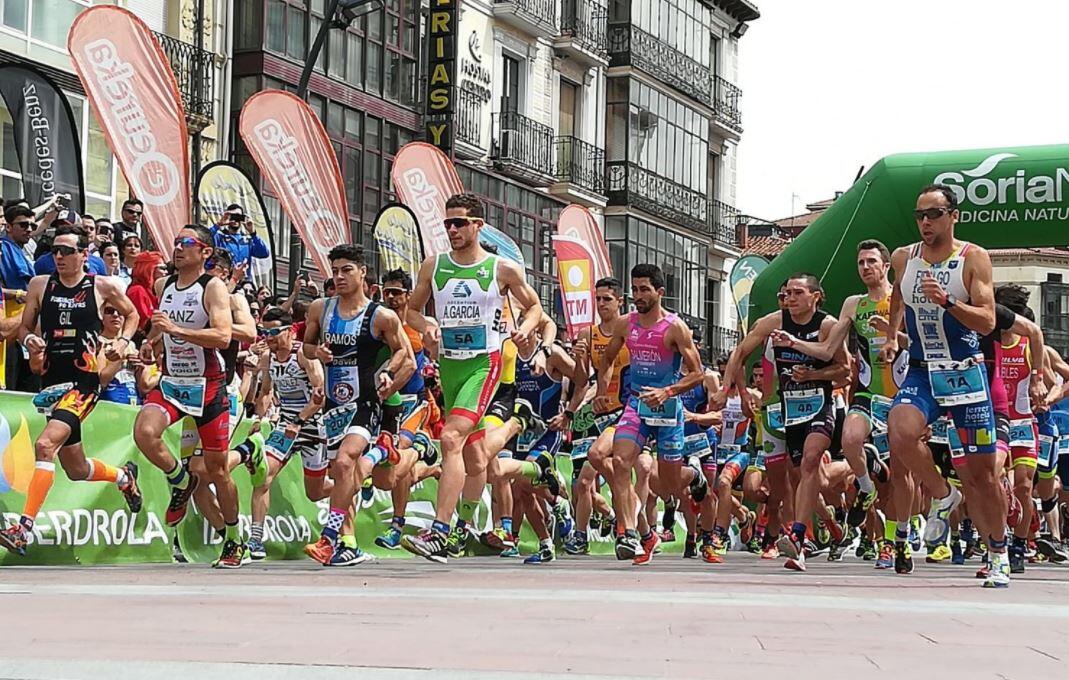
469	286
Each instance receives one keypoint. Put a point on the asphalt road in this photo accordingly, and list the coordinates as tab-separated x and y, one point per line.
491	618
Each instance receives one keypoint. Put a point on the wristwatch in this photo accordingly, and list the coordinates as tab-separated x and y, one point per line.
950	302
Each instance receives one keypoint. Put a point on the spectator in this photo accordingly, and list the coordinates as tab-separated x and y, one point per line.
16	270
105	232
236	234
90	224
132	210
131	248
113	265
148	267
46	264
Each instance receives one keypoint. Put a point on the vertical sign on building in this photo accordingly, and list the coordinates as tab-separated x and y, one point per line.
441	73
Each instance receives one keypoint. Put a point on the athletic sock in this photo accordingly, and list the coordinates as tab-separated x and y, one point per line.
546	544
902	532
256	532
44	473
440	527
465	512
669	521
799	529
579	536
506	525
1018	543
244	450
99	471
647	536
530	471
375	454
865	483
996	545
178	477
890	530
333	526
349	541
414	423
232	533
397	522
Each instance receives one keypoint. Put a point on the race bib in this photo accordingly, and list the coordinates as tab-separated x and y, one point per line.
725	453
939	431
1022	433
279	443
1045	455
958	382
665	415
696	445
185	393
606	420
881	408
336	422
1063	446
526	440
774	416
801	406
45	400
759	461
409	402
581	448
882	444
461	342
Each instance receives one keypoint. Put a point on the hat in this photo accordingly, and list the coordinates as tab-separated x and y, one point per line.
68	216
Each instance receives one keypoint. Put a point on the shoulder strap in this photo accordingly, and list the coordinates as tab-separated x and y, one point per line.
369	316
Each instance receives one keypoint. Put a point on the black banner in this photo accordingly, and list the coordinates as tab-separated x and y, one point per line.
46	137
441	73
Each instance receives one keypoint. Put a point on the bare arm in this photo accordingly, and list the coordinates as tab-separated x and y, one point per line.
979	313
514	283
828	346
402	363
311	329
619	332
244	326
897	314
733	373
316	379
32	309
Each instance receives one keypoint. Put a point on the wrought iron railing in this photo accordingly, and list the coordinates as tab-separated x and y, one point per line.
524	143
469	118
195	73
585	22
720	340
726	102
630	45
536	11
630	184
580	163
724	223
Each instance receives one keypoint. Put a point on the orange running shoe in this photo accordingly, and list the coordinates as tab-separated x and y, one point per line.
321	551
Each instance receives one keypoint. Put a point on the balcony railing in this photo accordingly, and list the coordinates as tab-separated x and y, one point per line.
721	340
726	102
629	184
585	22
630	45
539	13
469	118
580	163
524	146
723	223
195	73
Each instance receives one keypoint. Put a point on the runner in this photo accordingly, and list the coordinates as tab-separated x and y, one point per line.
347	333
659	344
469	287
943	292
193	324
68	305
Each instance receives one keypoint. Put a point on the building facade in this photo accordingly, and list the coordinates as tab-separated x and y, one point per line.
1044	272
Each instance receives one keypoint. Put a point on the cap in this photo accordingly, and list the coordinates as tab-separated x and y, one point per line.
68	217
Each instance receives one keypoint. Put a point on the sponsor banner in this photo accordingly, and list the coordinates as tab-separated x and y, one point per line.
575	274
576	222
441	73
397	240
290	146
506	247
221	184
134	95
746	270
424	178
46	136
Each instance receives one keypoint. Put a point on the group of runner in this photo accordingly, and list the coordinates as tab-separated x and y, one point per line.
926	414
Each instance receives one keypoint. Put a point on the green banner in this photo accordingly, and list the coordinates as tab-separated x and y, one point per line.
746	270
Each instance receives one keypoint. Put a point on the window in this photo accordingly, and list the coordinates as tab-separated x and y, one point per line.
683	25
569	107
247	21
13	14
510	87
355	57
52	20
296	30
276	26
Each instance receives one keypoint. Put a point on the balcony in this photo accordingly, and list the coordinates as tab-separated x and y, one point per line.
579	171
195	72
469	125
523	148
724	224
1054	320
534	17
631	46
720	340
584	32
629	184
726	111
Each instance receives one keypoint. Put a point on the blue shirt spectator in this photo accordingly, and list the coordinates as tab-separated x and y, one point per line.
46	264
236	234
16	270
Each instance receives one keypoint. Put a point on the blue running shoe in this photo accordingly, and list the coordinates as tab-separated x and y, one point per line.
391	540
543	556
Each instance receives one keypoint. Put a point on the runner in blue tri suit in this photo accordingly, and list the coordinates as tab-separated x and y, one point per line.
700	440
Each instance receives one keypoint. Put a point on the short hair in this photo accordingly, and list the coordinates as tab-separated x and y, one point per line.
76	229
221	257
90	218
203	233
812	283
132	201
329	283
948	194
17	210
873	244
277	314
398	275
648	271
110	244
723	358
612	283
1015	297
131	237
300	310
469	202
347	251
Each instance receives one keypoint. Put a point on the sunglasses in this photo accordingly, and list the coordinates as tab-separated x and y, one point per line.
390	292
108	311
25	224
930	213
605	298
457	222
135	213
66	251
188	242
272	332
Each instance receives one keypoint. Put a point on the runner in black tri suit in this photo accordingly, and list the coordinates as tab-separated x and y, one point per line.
67	304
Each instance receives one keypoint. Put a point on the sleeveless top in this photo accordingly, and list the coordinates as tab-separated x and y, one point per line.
185	307
934	333
734	427
70	326
874	375
468	303
801	399
1016	372
290	381
415	384
542	391
652	363
619	384
351	373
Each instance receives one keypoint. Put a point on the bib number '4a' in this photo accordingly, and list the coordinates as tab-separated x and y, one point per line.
801	406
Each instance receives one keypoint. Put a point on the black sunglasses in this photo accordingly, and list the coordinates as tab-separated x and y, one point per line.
457	222
930	213
65	251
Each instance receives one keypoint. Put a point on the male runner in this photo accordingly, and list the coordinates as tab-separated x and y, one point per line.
469	287
68	305
943	292
659	343
347	333
193	323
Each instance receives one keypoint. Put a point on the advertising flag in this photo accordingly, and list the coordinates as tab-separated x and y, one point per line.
397	239
133	93
746	270
424	178
46	136
576	222
576	271
221	184
290	146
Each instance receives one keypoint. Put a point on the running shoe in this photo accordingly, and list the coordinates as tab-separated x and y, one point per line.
321	551
863	544
789	546
176	509
386	443
668	536
957	555
256	463
886	558
650	547
870	552
835	530
543	556
710	556
391	540
1052	551
428	544
876	467
532	424
771	552
547	478
985	570
576	545
860	508
562	512
1016	559
628	545
345	556
746	529
699	487
497	539
937	554
719	543
232	557
998	572
257	551
903	558
606	526
937	528
131	491
510	552
427	448
821	534
915	533
14	539
456	542
754	546
367	491
970	539
176	551
690	547
836	551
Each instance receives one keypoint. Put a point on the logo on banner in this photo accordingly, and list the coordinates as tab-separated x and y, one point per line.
154	177
16	456
426	203
577	288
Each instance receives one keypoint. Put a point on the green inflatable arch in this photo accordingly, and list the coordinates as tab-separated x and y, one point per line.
1015	197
